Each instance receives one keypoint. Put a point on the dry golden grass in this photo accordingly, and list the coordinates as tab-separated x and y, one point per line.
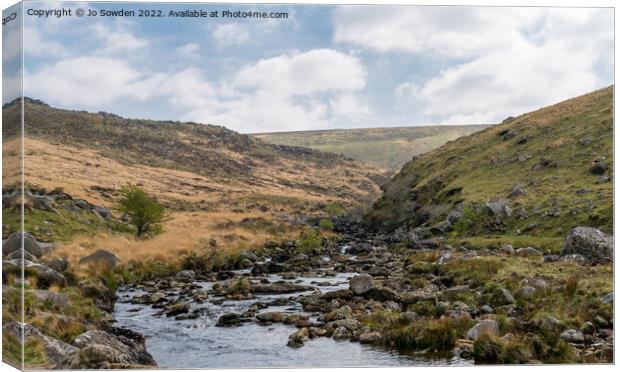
182	233
78	169
11	163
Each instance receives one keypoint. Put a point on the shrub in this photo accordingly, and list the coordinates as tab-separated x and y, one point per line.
326	224
334	210
310	241
145	212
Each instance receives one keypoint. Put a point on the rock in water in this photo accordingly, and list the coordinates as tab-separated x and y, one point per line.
229	320
360	284
596	246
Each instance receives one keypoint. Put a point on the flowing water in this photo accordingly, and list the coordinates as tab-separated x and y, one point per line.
198	343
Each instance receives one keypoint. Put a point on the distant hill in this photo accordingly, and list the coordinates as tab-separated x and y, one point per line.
73	147
552	168
388	148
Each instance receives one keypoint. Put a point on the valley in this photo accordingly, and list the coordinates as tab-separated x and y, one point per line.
489	244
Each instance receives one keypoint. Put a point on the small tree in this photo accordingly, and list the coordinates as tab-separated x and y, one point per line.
144	211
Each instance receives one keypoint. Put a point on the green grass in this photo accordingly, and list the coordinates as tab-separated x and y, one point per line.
387	148
61	226
475	168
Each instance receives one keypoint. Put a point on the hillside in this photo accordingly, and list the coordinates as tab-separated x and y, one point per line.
541	173
388	148
218	185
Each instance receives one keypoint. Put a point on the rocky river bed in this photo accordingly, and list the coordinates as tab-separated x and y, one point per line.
201	343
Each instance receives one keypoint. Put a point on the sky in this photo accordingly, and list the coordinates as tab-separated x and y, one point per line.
322	67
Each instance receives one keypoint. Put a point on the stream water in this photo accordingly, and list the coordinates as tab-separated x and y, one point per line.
198	343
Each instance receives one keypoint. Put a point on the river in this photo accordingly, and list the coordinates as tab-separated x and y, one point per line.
198	343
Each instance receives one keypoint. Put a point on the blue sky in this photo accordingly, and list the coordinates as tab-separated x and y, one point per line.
323	67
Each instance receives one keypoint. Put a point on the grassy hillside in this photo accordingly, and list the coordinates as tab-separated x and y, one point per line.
542	164
388	148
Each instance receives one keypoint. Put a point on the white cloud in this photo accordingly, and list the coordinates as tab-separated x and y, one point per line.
506	61
189	50
117	38
231	34
34	44
286	92
88	81
347	108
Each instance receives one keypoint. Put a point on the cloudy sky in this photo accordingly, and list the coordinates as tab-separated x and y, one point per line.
323	67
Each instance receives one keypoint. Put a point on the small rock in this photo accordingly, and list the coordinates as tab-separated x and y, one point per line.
528	251
573	336
369	337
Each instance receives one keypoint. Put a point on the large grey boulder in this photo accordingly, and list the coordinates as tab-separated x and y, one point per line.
596	246
45	276
360	284
116	348
13	244
101	259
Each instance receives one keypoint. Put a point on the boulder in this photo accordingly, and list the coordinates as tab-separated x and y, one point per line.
17	255
298	338
593	244
382	294
608	298
113	348
45	275
176	309
13	243
499	208
186	276
100	260
58	264
340	294
528	251
485	326
343	312
360	284
341	333
508	249
295	318
281	287
271	317
573	336
102	212
229	320
369	337
59	354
